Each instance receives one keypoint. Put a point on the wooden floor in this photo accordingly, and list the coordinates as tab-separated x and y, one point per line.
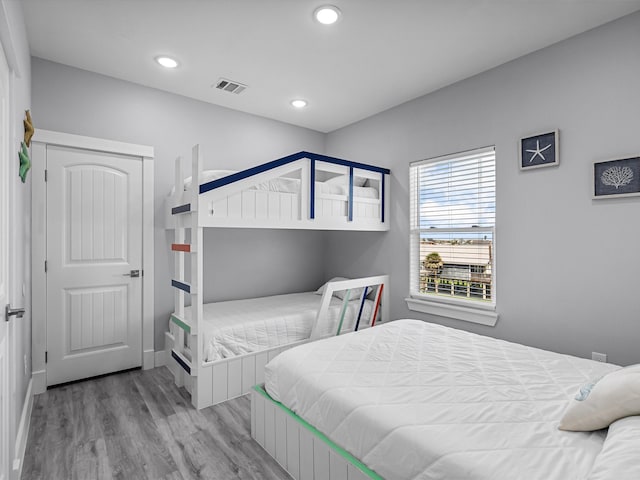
139	425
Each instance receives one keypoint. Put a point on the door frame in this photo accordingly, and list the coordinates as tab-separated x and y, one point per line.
42	139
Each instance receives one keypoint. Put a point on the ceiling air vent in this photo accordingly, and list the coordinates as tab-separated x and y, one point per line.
230	86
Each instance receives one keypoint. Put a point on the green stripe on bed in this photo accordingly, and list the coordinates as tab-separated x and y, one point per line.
181	324
318	434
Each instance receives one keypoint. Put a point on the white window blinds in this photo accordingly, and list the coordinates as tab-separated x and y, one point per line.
452	226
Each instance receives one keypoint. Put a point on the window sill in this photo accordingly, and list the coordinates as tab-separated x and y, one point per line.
474	315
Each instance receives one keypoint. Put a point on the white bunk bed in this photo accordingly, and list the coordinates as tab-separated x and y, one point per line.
300	191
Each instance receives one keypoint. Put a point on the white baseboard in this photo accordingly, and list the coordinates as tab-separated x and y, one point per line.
23	433
148	359
161	358
39	379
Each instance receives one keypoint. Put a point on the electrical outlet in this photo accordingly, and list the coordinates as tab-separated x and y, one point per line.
599	357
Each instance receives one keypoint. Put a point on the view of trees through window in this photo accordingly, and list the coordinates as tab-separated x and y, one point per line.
452	225
458	267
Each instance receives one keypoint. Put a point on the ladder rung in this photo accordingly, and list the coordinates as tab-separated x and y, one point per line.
180	323
181	361
181	209
182	286
180	247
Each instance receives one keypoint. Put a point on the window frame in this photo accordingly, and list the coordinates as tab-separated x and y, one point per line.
471	310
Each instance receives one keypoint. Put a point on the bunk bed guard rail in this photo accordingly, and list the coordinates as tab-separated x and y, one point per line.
314	157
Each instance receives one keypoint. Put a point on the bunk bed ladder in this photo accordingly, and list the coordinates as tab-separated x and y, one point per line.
178	282
186	216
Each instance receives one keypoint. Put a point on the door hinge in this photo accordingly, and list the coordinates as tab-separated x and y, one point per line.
45	266
46	357
45	175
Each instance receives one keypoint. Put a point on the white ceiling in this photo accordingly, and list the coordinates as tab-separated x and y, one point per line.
380	54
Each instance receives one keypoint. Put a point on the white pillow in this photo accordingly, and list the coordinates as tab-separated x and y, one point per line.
599	403
354	295
344	180
619	458
320	291
209	176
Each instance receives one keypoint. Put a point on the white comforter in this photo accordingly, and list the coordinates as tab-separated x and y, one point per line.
415	400
242	326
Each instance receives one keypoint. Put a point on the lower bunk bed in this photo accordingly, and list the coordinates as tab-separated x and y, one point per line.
413	400
239	337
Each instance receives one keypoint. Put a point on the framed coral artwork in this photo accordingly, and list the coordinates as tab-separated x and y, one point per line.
616	178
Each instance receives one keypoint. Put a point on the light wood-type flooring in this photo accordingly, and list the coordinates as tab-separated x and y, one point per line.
138	425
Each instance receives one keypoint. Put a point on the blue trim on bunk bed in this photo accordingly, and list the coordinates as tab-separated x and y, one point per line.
181	209
181	286
205	187
362	300
382	198
350	203
182	363
312	191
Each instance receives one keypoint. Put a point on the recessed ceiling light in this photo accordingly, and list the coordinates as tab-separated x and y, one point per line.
299	103
166	62
327	14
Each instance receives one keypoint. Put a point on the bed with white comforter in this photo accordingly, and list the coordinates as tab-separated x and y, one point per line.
238	327
414	400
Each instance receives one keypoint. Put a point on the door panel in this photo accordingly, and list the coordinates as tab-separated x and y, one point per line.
96	317
94	240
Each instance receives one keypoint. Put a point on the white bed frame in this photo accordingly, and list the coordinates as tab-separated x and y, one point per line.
303	451
233	201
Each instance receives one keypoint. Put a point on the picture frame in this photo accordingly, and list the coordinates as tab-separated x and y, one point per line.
616	178
539	150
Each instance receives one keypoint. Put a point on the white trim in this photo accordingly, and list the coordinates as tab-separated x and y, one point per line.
482	316
91	143
39	380
160	358
38	277
8	44
473	153
148	262
23	433
40	140
148	359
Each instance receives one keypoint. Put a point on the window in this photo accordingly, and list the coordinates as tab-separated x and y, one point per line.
452	229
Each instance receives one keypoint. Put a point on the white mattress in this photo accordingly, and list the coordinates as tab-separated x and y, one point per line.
414	400
242	326
288	185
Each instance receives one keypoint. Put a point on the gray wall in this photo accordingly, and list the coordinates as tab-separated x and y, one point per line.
14	41
239	263
567	265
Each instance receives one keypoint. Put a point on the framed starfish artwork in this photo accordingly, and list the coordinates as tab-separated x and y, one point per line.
540	150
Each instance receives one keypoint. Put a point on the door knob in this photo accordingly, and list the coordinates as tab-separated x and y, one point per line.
132	273
9	312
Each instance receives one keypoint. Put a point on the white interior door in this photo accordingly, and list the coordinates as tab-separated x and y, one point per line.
5	158
94	243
